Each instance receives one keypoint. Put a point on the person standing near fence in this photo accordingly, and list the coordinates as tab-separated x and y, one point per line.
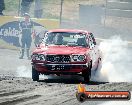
25	6
38	9
27	31
2	6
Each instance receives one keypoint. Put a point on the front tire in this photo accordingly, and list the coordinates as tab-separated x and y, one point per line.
87	73
35	74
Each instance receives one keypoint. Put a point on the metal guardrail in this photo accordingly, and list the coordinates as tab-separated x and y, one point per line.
119	5
119	13
119	8
121	0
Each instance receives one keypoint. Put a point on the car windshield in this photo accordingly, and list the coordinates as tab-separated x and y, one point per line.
65	38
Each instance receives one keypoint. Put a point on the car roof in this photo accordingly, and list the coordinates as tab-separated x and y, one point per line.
69	30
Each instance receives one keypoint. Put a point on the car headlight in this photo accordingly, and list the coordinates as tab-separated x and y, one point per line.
42	57
78	58
81	57
75	57
38	57
34	56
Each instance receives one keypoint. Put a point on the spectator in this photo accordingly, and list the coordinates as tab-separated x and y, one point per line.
27	29
2	6
58	39
38	10
25	6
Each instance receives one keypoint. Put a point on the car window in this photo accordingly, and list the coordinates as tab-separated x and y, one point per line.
65	38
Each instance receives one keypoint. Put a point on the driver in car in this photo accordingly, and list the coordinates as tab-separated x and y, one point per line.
58	39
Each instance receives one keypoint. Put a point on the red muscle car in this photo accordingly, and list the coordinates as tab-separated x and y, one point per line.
66	52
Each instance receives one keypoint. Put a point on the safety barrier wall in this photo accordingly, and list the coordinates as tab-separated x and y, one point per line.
10	32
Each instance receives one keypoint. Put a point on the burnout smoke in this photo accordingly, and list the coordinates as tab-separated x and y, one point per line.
116	61
24	71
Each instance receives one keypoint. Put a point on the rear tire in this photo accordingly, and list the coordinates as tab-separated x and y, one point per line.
87	73
35	74
87	76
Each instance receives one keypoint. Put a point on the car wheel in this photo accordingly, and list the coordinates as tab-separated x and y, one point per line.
87	73
35	74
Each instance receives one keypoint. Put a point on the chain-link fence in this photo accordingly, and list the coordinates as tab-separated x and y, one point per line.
49	8
103	17
36	8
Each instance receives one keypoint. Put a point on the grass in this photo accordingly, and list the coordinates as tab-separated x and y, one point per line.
51	8
11	7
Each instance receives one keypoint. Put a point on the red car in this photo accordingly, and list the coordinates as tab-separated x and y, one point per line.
66	52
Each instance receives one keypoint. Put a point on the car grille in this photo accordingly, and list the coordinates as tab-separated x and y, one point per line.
58	58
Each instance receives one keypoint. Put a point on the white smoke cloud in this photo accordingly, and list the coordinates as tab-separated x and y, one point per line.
23	71
116	61
26	71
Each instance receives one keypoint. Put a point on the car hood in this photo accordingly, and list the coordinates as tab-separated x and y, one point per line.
61	50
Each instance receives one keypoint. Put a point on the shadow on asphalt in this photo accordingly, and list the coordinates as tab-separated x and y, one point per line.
69	80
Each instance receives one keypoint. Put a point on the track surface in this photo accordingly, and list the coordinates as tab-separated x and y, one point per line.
17	87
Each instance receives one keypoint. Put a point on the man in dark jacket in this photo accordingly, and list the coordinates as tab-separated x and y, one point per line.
2	6
27	29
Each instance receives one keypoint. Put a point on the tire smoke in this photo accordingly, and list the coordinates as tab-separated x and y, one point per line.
23	71
116	61
26	71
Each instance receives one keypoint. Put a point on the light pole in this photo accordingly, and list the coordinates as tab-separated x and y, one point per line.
105	13
19	7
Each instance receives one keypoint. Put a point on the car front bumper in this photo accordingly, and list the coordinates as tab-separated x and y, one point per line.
59	68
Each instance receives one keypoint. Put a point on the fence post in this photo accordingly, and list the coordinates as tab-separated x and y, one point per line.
61	11
19	7
105	13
